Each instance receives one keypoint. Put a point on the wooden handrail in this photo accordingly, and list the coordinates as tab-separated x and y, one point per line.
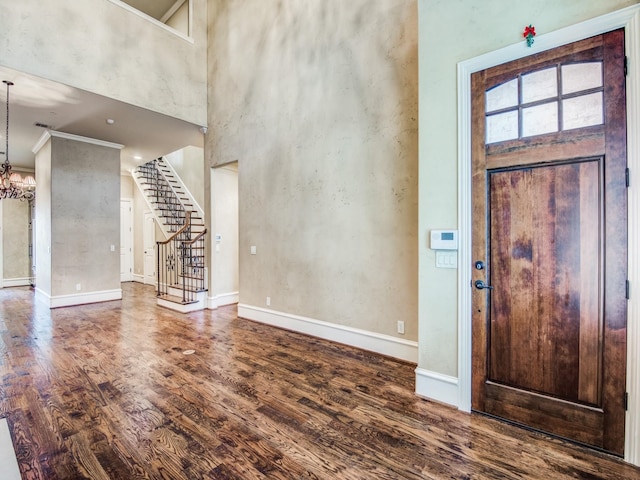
193	240
187	223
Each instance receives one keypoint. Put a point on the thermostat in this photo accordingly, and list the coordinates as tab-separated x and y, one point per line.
444	240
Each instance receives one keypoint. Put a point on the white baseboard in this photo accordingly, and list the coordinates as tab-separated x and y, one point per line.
138	278
374	342
222	300
16	282
79	299
436	386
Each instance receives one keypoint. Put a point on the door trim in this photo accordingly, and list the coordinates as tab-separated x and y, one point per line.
145	275
629	19
129	202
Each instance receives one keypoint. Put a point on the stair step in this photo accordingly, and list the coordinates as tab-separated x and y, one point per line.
178	288
176	299
169	199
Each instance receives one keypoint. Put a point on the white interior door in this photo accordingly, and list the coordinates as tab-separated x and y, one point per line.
126	242
149	249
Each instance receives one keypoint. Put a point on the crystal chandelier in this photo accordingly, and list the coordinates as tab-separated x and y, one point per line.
12	185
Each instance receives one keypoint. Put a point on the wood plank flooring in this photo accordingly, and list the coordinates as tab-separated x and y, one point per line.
105	391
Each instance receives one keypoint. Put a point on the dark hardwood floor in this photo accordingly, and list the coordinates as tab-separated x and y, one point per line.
105	391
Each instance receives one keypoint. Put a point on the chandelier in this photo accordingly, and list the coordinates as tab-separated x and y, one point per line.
12	185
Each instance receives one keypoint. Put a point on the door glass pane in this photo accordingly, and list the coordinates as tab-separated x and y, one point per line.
582	111
581	76
540	119
501	127
539	85
502	96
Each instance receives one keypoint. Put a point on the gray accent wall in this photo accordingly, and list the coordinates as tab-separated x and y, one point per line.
81	206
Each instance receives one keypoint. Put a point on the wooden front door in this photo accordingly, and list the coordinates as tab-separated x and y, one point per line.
550	241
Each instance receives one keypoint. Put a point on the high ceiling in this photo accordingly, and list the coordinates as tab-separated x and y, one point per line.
34	100
153	8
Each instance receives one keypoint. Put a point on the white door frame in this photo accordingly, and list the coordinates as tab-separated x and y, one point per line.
629	19
129	236
147	279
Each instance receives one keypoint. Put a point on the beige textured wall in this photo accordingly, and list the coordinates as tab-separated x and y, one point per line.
451	32
15	241
189	165
85	217
317	101
126	186
100	47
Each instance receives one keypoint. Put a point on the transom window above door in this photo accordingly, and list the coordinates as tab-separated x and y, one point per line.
552	99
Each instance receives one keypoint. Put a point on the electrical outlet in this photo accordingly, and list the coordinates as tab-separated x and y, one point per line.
78	287
268	301
400	326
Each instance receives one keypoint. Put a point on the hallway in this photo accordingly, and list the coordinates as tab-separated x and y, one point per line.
112	391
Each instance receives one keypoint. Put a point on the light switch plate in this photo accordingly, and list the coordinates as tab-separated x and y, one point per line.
446	259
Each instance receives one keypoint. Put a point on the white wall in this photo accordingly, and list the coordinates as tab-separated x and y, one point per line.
103	48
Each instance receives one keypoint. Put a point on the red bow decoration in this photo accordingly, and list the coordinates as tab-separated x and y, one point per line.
528	34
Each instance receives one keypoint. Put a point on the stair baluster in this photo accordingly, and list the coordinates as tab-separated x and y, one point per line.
180	259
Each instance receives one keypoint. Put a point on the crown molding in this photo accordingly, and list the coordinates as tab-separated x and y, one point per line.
68	136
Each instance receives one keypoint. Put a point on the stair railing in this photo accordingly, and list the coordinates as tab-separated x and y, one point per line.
163	195
180	263
192	255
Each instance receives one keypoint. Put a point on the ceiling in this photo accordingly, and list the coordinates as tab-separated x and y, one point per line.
145	134
153	8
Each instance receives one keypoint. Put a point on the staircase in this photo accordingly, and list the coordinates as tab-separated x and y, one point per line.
180	267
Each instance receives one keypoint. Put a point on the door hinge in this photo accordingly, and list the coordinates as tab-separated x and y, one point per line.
626	400
627	293
627	177
626	63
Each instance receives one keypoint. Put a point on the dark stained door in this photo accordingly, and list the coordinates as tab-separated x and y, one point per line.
550	241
